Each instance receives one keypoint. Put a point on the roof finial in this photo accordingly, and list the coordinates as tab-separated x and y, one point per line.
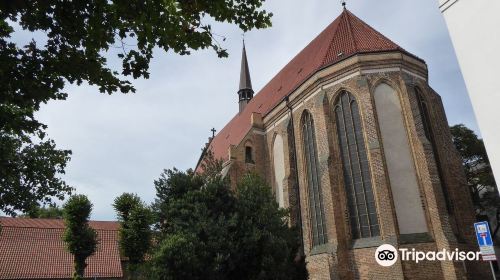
343	4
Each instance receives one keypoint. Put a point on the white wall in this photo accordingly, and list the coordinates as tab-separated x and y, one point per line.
474	27
279	168
399	161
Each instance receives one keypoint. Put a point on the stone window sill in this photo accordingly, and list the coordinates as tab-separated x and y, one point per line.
367	242
322	249
411	238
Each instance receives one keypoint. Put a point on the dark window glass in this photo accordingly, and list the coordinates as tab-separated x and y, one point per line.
248	155
361	206
316	208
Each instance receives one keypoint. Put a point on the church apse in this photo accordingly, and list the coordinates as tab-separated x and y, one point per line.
343	149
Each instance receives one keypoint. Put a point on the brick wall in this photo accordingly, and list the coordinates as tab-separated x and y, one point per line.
342	257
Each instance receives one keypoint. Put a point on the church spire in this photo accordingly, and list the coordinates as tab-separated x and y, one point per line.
245	92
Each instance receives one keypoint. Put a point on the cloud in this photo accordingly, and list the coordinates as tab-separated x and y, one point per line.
121	143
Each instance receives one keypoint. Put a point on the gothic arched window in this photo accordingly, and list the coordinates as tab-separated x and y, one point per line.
426	123
279	169
360	201
316	209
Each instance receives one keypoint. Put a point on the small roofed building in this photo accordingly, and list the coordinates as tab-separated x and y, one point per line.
34	249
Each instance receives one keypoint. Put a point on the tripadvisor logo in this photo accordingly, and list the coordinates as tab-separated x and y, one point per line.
387	255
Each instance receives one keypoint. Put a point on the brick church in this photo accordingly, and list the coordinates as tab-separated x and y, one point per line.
356	144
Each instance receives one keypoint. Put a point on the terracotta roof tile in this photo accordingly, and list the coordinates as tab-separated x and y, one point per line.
33	248
345	36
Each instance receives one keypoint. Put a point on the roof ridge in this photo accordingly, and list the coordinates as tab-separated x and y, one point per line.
349	28
30	227
325	55
50	219
62	228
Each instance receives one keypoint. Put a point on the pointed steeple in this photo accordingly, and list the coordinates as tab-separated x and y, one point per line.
245	92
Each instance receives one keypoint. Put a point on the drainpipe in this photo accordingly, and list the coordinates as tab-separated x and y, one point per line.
297	193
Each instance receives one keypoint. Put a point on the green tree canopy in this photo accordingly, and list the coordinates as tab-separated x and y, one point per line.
73	38
207	231
29	172
135	231
477	169
124	204
80	238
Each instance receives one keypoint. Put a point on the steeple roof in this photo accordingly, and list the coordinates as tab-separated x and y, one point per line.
346	36
245	81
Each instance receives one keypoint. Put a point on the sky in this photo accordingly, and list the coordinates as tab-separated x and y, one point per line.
122	142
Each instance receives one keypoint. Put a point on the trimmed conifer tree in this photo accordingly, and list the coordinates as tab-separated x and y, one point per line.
80	238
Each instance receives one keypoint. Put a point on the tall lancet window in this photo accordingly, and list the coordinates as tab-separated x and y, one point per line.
399	161
316	209
360	201
279	169
426	123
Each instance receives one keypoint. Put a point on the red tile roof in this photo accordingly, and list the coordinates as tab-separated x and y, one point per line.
34	249
347	35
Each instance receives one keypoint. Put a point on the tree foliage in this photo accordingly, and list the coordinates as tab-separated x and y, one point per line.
269	245
208	231
29	171
72	40
124	204
50	212
80	238
135	231
210	166
477	169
